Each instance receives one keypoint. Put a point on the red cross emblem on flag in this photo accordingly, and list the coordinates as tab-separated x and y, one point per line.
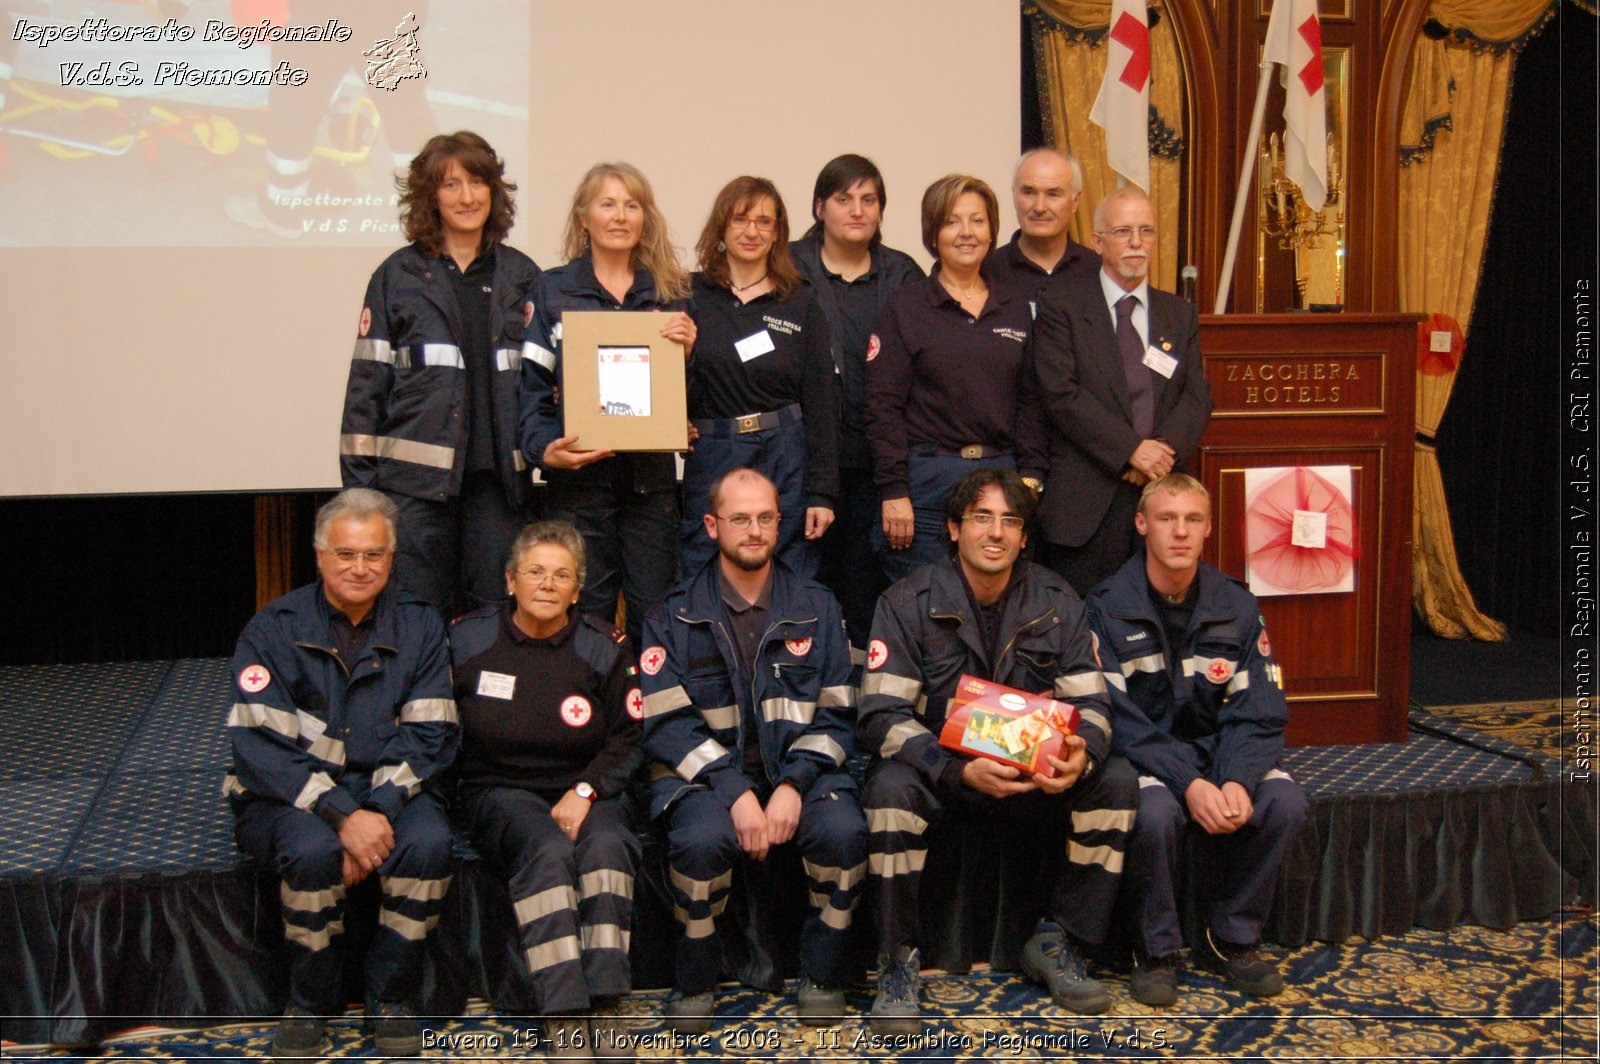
652	660
636	704
1134	36
1311	74
877	653
1218	670
254	679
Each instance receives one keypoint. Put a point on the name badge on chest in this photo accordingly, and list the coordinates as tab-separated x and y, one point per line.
1160	361
754	346
496	685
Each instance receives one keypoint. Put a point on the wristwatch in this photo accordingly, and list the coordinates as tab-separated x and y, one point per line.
584	791
1034	485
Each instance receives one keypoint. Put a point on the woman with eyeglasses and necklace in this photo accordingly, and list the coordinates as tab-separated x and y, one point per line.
950	385
619	257
551	738
761	384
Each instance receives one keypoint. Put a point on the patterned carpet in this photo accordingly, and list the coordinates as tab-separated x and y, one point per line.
1542	725
1466	994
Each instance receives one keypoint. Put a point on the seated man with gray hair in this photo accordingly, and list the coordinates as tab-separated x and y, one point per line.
342	713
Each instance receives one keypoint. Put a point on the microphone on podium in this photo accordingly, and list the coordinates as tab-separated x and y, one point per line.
1189	281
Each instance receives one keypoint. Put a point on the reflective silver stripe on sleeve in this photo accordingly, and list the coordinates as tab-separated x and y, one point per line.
699	758
1097	719
256	715
545	902
604	936
359	445
541	356
896	864
720	717
519	463
820	744
549	954
369	350
507	358
422	710
665	701
1148	663
411	888
838	695
1102	820
1080	685
605	881
1105	856
881	820
790	709
1114	679
328	749
887	683
1149	781
444	355
400	775
319	784
1240	682
899	735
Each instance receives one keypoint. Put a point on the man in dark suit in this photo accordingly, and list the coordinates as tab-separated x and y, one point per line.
1122	389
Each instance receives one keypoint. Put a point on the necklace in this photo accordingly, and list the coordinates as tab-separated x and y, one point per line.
746	287
972	293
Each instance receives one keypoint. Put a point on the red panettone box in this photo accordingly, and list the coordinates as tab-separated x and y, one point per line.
1003	724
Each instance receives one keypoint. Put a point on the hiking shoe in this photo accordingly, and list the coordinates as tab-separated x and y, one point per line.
895	1010
1243	968
299	1035
609	1039
395	1030
689	1013
567	1038
818	1006
1154	980
1052	958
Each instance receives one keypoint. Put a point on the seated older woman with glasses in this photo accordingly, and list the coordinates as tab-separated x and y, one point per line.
550	722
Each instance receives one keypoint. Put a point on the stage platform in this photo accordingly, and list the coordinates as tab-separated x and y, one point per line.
126	903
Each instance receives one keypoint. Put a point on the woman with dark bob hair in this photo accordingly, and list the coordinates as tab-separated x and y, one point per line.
951	388
550	741
761	385
430	409
619	256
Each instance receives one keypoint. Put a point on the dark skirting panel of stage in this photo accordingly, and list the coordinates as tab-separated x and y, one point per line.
125	902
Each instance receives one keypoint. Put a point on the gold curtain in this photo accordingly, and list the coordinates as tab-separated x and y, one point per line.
1070	47
1451	127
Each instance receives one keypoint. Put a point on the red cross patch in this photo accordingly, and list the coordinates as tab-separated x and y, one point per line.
877	653
636	704
576	711
799	647
1264	646
874	345
254	679
1095	642
366	321
1218	671
527	313
652	660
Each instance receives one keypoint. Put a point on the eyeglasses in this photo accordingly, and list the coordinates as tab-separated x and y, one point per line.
985	519
764	223
742	521
376	556
560	577
1124	233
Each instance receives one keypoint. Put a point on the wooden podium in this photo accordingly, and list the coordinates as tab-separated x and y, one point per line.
1323	390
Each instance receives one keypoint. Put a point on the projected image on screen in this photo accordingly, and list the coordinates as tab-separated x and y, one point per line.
250	122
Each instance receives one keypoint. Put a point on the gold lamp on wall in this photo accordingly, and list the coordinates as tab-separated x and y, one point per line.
1317	238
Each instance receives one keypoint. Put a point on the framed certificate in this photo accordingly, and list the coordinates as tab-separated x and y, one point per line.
622	382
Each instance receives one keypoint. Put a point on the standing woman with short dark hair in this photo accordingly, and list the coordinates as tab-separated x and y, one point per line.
951	388
853	275
430	409
761	384
619	257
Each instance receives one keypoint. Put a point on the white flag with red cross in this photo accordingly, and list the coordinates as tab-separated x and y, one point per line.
1294	39
1123	107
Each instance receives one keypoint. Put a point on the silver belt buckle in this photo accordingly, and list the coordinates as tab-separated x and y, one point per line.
749	423
972	450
